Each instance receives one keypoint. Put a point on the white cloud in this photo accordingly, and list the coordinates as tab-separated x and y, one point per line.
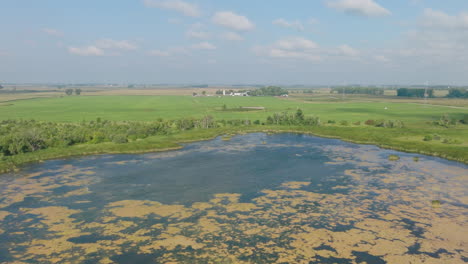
232	21
182	7
232	36
174	51
115	44
367	8
194	34
159	53
297	25
438	39
347	51
280	53
204	46
440	20
304	49
291	48
52	32
86	51
296	43
381	58
103	47
171	51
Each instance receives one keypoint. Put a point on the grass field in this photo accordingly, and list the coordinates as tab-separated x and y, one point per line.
417	118
147	108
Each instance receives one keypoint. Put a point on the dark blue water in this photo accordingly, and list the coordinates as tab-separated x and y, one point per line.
267	195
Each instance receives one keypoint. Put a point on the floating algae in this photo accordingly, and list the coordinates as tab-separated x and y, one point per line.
339	203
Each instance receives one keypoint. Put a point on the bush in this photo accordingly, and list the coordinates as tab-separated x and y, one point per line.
119	139
358	123
427	138
331	122
370	122
464	120
451	141
344	123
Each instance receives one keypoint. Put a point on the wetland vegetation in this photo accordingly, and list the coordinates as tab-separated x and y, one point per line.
99	124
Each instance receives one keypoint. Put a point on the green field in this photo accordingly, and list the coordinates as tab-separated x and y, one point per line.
418	119
148	108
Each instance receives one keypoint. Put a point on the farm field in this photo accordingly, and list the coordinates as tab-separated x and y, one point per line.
150	108
339	119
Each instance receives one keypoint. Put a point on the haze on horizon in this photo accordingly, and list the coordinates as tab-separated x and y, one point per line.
207	41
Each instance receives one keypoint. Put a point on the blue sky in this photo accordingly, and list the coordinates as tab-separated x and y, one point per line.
232	42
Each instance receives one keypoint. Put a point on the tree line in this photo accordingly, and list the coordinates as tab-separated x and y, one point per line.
458	93
22	136
264	91
358	90
413	92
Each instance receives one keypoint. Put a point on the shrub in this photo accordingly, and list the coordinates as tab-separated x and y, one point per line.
358	123
393	158
464	120
370	122
344	123
331	122
119	139
451	141
427	138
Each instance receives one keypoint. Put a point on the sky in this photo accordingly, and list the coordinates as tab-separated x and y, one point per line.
291	42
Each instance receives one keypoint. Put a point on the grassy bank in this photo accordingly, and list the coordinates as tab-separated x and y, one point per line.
398	139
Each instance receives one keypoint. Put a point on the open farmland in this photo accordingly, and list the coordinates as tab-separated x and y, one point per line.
148	108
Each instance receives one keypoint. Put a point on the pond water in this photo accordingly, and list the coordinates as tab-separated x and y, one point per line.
256	198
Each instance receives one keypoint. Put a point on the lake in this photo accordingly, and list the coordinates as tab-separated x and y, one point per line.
256	198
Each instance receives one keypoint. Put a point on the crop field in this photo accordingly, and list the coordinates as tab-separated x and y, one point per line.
148	108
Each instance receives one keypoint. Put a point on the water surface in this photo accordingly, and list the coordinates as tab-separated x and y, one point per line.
257	198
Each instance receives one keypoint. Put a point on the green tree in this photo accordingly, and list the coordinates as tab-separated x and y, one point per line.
77	91
299	116
457	93
203	93
69	91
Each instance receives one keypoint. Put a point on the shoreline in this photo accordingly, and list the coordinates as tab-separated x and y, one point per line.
174	141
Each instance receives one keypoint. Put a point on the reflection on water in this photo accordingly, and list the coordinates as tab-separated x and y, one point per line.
254	199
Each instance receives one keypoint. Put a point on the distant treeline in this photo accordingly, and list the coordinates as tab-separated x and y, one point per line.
408	92
269	91
358	90
458	93
264	91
